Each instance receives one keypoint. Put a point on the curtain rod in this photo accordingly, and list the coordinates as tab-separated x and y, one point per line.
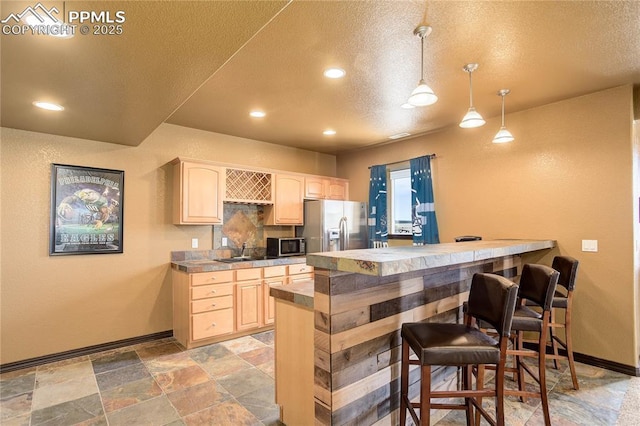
404	161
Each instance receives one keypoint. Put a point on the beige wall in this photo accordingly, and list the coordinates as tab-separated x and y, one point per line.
60	303
636	213
568	176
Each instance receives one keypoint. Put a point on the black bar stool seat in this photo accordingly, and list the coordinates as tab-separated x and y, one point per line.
526	319
451	344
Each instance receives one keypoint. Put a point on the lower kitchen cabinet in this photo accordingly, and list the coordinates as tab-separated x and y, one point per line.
248	305
210	307
273	276
248	298
203	307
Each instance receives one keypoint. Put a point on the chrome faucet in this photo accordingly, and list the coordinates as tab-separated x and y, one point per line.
244	246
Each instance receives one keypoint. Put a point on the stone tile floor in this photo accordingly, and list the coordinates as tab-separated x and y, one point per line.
232	383
154	383
605	398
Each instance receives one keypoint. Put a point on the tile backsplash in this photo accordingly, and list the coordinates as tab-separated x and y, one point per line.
244	223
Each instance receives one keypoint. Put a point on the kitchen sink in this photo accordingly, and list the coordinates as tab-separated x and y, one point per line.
239	259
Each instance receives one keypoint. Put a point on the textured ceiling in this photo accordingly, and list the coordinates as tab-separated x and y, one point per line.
207	64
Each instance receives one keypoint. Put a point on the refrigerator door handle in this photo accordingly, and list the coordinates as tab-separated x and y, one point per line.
344	234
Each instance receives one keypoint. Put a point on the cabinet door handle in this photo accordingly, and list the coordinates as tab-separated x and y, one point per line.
213	305
213	324
213	291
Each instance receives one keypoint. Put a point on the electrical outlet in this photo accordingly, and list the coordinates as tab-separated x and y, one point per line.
225	241
194	243
590	245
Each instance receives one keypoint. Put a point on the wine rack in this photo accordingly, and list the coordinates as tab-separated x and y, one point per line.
248	186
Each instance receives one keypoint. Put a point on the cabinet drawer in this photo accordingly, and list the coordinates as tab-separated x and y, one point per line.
276	281
211	304
211	324
211	291
300	277
300	268
211	277
275	271
248	274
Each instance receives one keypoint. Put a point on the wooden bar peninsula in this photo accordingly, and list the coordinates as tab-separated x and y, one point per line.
338	337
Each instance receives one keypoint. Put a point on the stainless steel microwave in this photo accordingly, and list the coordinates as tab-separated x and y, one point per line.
279	247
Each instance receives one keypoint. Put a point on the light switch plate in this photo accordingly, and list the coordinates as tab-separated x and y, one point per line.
194	243
590	245
225	242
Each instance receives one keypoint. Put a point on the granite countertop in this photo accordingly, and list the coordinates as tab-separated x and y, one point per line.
300	293
209	265
395	260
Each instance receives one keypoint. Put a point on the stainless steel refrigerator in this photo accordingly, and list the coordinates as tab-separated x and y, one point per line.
331	225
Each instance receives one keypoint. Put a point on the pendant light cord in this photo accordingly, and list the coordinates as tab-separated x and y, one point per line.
470	92
422	58
503	110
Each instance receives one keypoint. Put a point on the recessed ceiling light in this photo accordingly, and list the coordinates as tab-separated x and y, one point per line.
334	73
407	105
48	105
399	135
257	114
329	132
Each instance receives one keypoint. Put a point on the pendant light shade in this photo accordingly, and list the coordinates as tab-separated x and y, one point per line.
472	118
423	94
503	134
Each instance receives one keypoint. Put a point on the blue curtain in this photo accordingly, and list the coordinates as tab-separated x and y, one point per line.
378	207
425	225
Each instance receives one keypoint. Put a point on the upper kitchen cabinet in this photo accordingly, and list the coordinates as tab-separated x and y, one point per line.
198	189
321	188
287	208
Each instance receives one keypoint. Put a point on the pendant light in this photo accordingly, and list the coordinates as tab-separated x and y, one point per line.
472	118
422	95
503	134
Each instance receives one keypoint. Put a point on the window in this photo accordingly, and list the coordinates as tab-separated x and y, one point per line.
399	199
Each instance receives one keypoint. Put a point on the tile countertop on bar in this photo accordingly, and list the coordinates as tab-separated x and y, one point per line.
299	293
395	260
209	265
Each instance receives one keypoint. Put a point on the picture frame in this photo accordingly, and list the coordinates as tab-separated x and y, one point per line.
87	206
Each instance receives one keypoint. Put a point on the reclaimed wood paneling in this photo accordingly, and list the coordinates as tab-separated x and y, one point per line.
357	335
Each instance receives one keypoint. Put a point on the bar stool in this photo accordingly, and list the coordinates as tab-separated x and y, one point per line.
563	299
537	285
568	269
491	299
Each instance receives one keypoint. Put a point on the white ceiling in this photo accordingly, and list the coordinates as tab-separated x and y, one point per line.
205	65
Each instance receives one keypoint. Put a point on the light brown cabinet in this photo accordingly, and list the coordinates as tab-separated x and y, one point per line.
249	299
321	188
209	307
338	189
273	276
198	190
287	208
202	306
